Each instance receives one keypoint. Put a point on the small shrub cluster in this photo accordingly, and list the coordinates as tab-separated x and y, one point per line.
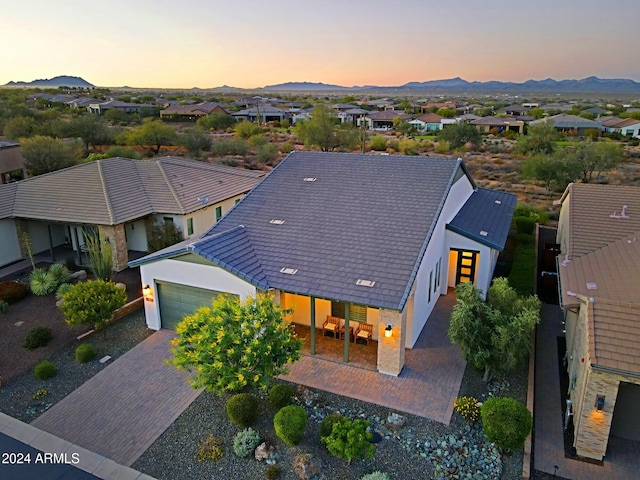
326	427
506	422
85	353
379	143
245	442
45	370
289	424
37	337
350	439
11	292
40	393
211	449
242	409
468	407
377	475
280	396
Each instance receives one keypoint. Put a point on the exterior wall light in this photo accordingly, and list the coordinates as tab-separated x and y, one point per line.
599	402
147	292
388	332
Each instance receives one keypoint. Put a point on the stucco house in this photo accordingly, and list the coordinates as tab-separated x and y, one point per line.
367	238
119	199
428	122
570	124
11	161
486	124
599	283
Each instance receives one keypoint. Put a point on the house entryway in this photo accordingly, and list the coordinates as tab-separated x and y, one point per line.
466	266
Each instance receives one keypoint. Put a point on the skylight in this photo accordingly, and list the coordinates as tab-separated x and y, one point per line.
309	179
365	283
276	221
592	286
289	271
484	233
498	202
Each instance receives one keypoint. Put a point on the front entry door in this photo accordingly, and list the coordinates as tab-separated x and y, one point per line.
466	268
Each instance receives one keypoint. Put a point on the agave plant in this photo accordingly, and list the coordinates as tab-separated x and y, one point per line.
60	272
62	289
42	282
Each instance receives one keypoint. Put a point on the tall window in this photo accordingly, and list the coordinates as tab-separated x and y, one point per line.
189	226
357	313
218	213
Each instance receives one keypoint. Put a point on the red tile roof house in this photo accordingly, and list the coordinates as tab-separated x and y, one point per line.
376	238
599	283
118	198
427	123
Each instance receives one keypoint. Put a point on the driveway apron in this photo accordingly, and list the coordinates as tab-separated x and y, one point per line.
123	409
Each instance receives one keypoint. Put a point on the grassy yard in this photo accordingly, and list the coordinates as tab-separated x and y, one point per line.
524	262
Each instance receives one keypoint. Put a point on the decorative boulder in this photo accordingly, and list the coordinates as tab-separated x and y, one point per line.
267	452
121	286
396	420
306	466
80	275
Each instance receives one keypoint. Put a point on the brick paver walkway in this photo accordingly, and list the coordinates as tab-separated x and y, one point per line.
427	385
123	409
623	457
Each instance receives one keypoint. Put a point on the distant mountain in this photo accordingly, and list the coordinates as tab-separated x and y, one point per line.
59	81
306	86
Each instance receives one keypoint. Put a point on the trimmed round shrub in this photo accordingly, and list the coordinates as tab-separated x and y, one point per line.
85	353
42	282
350	439
506	422
242	409
280	395
327	424
37	337
11	292
289	423
377	475
92	303
44	370
60	272
62	289
245	442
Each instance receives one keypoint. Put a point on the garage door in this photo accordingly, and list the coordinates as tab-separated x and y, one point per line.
176	301
626	415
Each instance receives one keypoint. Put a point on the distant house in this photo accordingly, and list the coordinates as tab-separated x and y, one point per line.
119	199
11	162
571	124
193	111
628	127
99	108
599	283
262	114
376	241
597	111
352	115
438	105
429	122
486	124
513	110
383	120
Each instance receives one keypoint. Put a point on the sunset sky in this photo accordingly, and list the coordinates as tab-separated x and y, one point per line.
254	43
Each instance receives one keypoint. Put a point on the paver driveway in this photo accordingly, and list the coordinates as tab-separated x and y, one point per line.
123	409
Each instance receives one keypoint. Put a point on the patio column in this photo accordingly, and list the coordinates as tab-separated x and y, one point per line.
313	325
114	234
347	337
53	255
391	349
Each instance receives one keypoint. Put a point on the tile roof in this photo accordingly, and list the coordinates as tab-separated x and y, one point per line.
7	198
486	217
430	118
386	115
116	190
564	120
364	217
592	223
499	121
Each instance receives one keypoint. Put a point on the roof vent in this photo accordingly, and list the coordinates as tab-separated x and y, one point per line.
289	271
498	202
483	233
365	283
592	286
309	179
276	221
622	214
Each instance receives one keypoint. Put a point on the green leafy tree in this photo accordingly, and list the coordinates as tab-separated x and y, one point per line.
19	127
321	130
536	112
446	112
551	169
493	335
46	154
401	125
153	134
92	129
115	115
216	121
459	134
234	343
92	302
540	138
588	157
195	140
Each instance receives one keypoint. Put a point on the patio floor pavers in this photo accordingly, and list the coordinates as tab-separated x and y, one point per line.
427	385
122	410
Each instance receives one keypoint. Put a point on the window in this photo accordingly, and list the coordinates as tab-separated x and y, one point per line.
168	220
430	283
189	226
237	201
438	272
357	313
218	213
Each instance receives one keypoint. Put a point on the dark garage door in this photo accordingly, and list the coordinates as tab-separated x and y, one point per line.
626	415
176	301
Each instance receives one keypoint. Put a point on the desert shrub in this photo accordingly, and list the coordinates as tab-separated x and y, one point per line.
350	439
506	422
468	407
443	147
280	395
245	442
327	424
92	303
210	449
394	144
289	423
42	282
525	225
37	337
44	370
379	143
267	153
62	289
85	353
377	475
409	147
256	141
11	292
60	272
4	306
273	472
246	129
242	409
286	147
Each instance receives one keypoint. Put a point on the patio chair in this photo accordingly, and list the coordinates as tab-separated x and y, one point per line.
332	325
364	332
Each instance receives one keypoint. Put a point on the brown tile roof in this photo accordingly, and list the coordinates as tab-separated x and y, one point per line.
116	190
430	118
591	211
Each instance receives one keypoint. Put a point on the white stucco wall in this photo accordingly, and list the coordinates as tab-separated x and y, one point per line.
10	250
437	249
39	234
136	233
192	274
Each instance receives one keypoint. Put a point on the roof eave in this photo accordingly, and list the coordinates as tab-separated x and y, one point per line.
475	238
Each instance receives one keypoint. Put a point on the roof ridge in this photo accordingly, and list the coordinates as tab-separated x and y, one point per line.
170	186
105	192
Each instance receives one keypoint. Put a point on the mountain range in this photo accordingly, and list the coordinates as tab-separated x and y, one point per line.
59	81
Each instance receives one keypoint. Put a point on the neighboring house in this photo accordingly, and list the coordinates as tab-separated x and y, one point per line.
597	111
11	161
382	120
99	108
193	111
438	106
599	282
367	238
429	122
513	110
486	124
266	113
352	115
571	124
629	127
82	102
119	199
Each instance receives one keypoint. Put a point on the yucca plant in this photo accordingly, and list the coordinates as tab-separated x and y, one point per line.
42	282
100	258
62	289
60	272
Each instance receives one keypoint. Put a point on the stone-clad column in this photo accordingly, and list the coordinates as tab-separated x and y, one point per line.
391	349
